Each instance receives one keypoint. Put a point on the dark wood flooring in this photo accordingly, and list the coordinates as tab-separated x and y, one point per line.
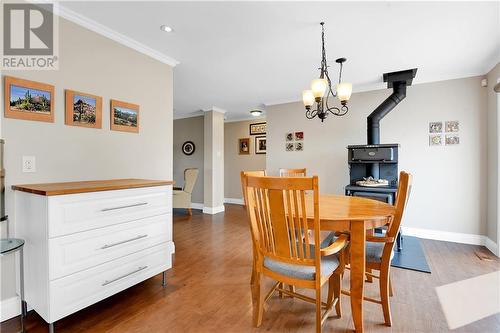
208	290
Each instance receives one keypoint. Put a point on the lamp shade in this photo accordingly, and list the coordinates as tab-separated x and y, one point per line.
308	97
318	87
344	91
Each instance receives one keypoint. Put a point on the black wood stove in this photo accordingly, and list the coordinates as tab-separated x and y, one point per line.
375	162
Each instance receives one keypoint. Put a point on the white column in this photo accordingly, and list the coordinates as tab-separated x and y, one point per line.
213	161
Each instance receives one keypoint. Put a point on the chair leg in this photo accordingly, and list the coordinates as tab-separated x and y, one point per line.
369	278
390	286
318	310
384	295
190	211
260	301
337	287
281	285
291	288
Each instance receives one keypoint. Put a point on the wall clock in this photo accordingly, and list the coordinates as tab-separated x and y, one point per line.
188	148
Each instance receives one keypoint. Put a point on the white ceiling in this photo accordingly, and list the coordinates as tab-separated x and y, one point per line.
235	55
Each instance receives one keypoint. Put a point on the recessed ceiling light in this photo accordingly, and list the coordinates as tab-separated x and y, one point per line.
166	28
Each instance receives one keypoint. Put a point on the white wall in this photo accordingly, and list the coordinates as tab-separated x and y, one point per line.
449	191
94	64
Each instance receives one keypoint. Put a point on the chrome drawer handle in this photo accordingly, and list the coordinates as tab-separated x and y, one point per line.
121	207
106	246
124	276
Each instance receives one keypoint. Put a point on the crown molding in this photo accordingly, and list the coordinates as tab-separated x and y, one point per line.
235	120
215	109
96	27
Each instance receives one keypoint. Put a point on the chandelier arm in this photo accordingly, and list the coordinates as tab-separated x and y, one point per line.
310	114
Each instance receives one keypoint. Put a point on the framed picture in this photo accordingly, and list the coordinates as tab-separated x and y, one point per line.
83	109
289	146
299	146
258	128
436	127
452	126
435	140
124	116
299	136
452	139
260	145
289	136
28	100
188	148
244	146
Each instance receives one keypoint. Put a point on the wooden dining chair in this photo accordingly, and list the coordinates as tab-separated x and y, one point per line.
379	249
277	214
293	172
243	177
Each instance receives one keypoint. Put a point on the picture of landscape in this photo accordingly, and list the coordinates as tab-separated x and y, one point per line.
29	100
124	116
84	109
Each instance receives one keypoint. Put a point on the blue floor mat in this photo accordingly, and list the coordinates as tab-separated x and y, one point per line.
412	256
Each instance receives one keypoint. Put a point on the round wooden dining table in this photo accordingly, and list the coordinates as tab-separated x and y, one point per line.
355	215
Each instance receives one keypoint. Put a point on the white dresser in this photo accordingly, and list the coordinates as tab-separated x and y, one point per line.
86	241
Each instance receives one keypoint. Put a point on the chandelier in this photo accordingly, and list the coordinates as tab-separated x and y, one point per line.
323	86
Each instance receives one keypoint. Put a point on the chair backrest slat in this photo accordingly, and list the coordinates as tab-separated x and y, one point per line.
404	189
293	172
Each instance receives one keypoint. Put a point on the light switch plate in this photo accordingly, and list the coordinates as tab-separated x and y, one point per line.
29	164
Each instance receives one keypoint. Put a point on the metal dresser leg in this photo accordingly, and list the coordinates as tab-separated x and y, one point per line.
52	328
164	279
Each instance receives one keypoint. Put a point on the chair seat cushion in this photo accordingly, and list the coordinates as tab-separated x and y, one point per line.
328	265
374	251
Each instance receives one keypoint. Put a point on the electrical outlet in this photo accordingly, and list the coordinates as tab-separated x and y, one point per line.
29	164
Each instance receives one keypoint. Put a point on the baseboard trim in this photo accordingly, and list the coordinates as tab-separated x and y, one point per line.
10	308
213	210
455	237
235	201
195	205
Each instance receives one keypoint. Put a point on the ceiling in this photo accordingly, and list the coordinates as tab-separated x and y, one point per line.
236	55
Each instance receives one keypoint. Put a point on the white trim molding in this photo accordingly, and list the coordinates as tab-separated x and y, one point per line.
455	237
9	308
105	31
235	201
213	210
196	205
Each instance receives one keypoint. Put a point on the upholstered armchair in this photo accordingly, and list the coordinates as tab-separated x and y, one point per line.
182	196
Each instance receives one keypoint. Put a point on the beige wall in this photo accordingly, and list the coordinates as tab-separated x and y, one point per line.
493	165
189	129
235	163
449	191
92	63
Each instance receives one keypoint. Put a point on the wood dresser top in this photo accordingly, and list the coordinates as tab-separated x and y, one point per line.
88	186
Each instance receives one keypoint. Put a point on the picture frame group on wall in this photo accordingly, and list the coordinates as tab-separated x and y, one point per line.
83	109
450	128
294	141
28	100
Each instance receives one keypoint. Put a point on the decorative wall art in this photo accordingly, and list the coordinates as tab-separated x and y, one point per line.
294	141
260	145
299	136
289	136
435	140
436	127
289	146
28	100
258	128
451	126
299	146
83	109
244	146
124	116
452	139
188	148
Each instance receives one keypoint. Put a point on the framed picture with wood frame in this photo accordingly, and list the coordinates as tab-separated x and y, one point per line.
244	146
83	109
28	100
124	116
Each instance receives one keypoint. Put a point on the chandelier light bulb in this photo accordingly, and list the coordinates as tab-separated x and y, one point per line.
308	98
318	87
344	91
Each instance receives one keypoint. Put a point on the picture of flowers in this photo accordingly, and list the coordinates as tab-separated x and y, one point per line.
124	116
83	109
28	100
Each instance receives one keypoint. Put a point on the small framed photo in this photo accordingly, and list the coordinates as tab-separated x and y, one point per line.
244	146
289	136
289	146
124	116
28	100
435	140
260	145
83	109
436	127
452	139
452	126
258	128
299	146
299	136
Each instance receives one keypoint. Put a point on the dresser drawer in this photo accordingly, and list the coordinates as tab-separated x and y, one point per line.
72	253
80	212
77	291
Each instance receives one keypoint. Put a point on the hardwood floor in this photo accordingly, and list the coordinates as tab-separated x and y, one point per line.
208	290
